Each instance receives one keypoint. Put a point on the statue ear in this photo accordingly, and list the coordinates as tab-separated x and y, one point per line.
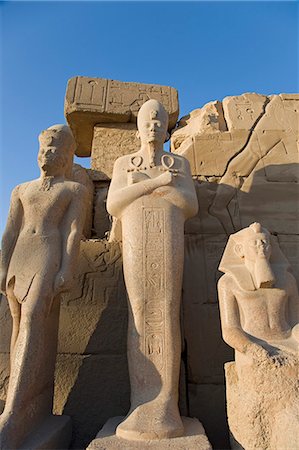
137	134
239	250
167	136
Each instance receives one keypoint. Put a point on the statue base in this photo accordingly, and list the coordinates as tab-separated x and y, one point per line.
195	437
262	405
54	433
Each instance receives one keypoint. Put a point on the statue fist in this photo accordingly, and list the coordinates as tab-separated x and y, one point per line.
166	178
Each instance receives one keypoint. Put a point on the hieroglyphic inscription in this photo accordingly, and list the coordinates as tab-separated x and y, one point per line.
154	284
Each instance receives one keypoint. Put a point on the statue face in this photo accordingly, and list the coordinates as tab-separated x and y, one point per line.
257	246
152	122
53	151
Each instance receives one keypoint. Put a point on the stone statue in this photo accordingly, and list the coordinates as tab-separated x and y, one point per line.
152	193
259	306
39	252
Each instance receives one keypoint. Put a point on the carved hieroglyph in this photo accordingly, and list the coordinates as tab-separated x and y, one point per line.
152	193
244	154
259	307
98	101
39	252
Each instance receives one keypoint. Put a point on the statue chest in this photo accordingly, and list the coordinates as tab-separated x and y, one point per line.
262	304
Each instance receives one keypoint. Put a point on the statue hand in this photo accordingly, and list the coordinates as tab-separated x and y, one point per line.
257	352
166	178
135	177
62	283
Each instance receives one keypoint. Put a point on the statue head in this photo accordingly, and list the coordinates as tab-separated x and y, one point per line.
56	151
152	123
253	243
249	255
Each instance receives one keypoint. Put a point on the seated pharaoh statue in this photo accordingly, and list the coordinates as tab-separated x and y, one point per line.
152	194
259	307
40	247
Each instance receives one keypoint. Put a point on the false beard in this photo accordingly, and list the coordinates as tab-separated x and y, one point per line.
151	147
263	273
47	183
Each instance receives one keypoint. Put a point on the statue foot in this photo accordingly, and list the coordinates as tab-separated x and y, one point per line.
152	420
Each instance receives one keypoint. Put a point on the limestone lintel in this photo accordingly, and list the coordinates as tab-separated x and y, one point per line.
90	101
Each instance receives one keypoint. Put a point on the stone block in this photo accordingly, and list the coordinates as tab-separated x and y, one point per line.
289	245
90	389
206	350
194	438
90	101
243	111
54	433
207	403
262	405
93	316
248	172
110	141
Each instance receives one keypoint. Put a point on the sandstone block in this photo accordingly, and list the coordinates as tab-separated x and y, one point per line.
266	417
194	438
207	402
253	163
241	112
110	141
90	101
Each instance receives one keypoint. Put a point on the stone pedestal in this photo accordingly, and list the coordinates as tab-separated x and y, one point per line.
194	438
262	405
55	434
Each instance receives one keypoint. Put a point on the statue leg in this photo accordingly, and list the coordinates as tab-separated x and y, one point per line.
153	263
15	310
31	385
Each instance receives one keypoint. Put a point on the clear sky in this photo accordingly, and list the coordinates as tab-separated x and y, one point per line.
207	50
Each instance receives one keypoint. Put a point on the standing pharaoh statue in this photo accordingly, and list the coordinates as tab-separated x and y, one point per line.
39	251
259	306
152	194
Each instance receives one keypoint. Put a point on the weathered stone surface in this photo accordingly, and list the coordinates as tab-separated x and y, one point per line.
102	222
262	406
90	388
194	437
40	246
207	403
54	433
90	101
259	305
243	111
201	322
110	142
81	175
254	163
96	303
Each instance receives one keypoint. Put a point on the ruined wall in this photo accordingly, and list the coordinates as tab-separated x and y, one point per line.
243	153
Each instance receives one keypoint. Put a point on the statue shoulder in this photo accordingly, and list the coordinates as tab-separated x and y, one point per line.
180	161
226	282
76	188
124	160
20	188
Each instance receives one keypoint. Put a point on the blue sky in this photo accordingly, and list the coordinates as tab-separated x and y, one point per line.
207	50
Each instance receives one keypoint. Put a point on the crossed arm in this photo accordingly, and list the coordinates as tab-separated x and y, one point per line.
121	194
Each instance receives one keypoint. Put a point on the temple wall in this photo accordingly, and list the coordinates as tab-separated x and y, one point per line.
243	154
